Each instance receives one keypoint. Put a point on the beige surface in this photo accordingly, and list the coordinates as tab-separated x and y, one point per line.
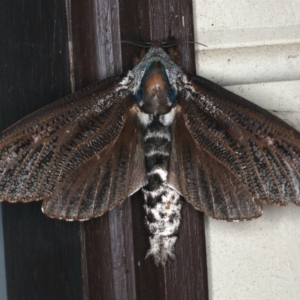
254	47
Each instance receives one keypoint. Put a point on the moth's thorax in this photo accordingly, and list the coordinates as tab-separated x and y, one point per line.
155	95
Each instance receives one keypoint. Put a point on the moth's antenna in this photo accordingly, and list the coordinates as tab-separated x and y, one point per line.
172	44
138	44
165	44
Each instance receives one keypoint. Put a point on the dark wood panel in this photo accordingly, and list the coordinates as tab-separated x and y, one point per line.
186	277
42	256
107	261
115	245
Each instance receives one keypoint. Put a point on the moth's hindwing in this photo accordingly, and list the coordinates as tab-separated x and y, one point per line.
204	181
106	179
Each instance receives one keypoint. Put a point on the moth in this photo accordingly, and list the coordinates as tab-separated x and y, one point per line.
158	130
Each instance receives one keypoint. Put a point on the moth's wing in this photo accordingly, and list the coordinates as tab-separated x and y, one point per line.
204	181
38	153
230	155
105	180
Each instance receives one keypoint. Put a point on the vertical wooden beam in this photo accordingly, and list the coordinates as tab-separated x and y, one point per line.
185	278
114	246
42	255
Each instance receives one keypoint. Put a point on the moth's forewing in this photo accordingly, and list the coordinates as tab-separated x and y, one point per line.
38	153
259	153
59	106
232	103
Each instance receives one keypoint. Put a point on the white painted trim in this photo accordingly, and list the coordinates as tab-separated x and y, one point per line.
254	47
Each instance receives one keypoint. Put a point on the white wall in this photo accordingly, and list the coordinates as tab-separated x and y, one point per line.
254	50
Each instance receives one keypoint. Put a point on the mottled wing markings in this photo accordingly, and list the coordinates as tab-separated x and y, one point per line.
205	182
46	155
113	174
40	140
259	154
158	130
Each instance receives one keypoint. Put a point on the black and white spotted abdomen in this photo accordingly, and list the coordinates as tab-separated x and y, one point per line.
162	203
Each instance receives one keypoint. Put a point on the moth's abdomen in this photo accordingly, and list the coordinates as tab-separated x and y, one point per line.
162	220
157	139
162	203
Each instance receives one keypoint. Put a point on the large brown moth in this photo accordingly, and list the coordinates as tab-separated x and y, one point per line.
159	130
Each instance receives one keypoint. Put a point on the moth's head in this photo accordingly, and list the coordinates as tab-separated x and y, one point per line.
169	46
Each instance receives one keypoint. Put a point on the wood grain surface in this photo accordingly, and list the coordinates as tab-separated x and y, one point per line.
49	49
42	255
